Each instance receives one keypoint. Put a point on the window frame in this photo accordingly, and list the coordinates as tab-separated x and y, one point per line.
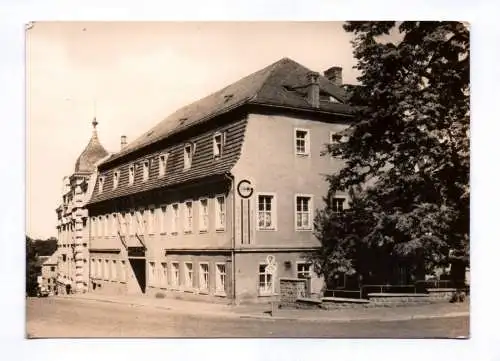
151	273
175	273
151	222
307	142
336	198
131	174
146	167
218	290
116	178
175	219
274	211
188	228
311	210
188	160
216	152
100	184
163	219
303	263
272	291
188	286
220	226
164	275
201	276
162	165
203	218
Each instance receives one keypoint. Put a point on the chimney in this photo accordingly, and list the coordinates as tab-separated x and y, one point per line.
123	141
334	74
313	89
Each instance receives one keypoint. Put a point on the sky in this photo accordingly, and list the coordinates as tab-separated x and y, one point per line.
131	75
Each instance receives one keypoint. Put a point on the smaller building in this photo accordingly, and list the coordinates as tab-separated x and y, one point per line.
49	273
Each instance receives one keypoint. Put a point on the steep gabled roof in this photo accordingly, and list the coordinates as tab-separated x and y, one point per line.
281	84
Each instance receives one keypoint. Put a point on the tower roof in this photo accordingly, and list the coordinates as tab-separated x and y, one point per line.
92	153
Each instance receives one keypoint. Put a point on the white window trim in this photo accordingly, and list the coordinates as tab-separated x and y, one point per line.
152	221
220	227
140	212
214	146
151	273
131	174
162	219
297	263
311	212
200	277
116	179
113	273
163	282
272	292
172	273
184	284
219	292
185	219
339	197
307	141
200	215
162	166
175	223
274	211
146	165
100	184
192	145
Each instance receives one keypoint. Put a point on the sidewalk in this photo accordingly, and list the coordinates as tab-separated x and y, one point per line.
262	311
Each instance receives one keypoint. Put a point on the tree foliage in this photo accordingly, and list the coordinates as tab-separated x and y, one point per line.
31	267
406	161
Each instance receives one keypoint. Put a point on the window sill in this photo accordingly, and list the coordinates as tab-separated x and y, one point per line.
163	233
220	294
220	230
188	232
188	290
203	292
267	294
174	233
203	231
303	229
267	229
302	155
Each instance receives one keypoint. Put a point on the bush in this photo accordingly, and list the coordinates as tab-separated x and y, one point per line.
458	296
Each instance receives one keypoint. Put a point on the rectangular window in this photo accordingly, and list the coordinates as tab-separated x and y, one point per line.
175	218
188	217
151	274
99	268
303	270
116	178
188	155
203	215
101	184
101	227
337	205
145	170
220	213
140	222
131	174
106	270
113	270
151	221
266	284
174	274
217	145
132	224
124	271
303	212
301	141
162	164
266	212
164	275
204	277
92	267
106	225
220	278
188	275
163	219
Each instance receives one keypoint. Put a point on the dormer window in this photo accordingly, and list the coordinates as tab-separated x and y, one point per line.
145	170
101	184
131	174
116	178
162	164
218	142
188	155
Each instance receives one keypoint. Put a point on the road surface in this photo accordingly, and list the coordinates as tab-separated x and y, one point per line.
58	317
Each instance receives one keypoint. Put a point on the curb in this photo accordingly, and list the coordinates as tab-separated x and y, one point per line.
229	314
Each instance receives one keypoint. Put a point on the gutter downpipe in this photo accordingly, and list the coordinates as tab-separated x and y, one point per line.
233	239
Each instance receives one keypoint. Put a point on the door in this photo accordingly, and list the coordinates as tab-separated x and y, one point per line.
139	269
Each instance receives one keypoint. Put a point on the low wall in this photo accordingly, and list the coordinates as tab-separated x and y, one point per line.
333	303
398	298
292	289
441	294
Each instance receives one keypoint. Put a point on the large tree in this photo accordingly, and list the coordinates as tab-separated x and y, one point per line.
406	160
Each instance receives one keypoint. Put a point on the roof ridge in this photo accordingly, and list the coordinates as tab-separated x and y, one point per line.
271	69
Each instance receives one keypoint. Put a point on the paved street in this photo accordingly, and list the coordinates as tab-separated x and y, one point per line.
58	317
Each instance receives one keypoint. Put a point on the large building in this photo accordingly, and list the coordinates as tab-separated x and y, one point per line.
73	229
200	204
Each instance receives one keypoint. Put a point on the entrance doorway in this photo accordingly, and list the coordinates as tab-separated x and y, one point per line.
139	269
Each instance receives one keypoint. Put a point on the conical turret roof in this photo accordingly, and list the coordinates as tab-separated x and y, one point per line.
93	152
